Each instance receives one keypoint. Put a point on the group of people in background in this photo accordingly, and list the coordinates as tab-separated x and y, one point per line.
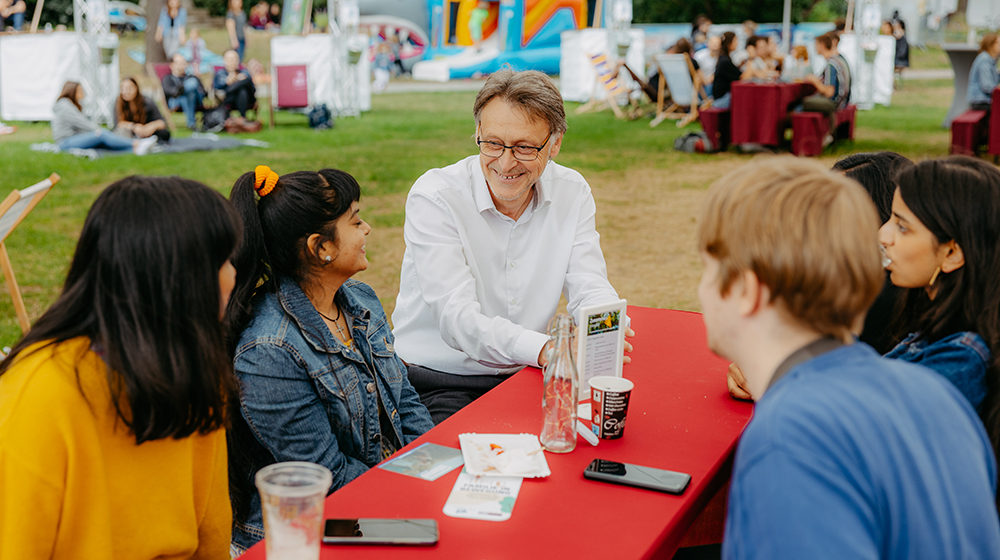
264	16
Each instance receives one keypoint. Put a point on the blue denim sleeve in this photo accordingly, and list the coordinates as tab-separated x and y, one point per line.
960	364
283	408
413	415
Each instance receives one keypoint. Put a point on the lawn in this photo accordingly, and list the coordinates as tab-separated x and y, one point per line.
648	196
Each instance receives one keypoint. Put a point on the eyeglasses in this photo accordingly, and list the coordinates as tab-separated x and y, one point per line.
520	153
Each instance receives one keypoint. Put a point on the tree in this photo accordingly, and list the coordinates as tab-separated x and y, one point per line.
731	11
154	50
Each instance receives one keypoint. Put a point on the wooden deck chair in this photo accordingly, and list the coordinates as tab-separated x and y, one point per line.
157	72
680	78
13	210
607	77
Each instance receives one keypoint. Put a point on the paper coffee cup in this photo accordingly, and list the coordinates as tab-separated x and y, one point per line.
609	398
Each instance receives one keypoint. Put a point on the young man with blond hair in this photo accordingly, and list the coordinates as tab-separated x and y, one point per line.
848	455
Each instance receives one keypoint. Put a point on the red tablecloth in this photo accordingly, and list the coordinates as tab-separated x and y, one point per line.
680	418
760	110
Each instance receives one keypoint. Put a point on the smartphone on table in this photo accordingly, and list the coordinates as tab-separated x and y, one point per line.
381	531
637	475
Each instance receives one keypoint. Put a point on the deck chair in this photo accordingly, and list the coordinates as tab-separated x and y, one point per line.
680	78
157	72
607	77
289	89
13	209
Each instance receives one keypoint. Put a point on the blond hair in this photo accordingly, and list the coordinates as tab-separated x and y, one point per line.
808	234
531	91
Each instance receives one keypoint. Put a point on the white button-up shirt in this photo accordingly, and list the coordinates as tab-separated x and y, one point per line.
477	288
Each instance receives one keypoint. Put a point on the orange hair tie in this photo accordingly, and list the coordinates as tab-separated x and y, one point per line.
264	180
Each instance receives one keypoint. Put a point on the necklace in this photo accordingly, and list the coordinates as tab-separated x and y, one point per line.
336	323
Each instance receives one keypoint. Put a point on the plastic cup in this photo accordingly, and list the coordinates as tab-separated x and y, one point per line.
609	398
292	496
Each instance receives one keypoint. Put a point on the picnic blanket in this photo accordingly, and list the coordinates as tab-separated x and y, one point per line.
198	142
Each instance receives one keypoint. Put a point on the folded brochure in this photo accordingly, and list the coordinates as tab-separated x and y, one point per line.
490	498
428	461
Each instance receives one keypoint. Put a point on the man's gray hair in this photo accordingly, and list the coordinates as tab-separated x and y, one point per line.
531	91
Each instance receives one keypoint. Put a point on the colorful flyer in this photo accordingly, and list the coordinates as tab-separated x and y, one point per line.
601	342
489	498
428	461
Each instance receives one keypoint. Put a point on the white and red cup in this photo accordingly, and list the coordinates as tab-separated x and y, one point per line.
609	398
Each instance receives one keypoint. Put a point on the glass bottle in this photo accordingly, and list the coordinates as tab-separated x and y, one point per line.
560	383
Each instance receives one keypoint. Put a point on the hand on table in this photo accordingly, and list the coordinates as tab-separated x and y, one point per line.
737	384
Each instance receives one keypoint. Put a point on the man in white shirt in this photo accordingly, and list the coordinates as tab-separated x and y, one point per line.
491	243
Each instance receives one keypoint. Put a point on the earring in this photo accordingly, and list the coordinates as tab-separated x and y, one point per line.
934	276
329	259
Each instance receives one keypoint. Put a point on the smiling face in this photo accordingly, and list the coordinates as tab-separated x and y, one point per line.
349	252
178	65
509	179
128	90
232	60
914	250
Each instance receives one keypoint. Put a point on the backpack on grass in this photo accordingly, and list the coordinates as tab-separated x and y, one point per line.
694	142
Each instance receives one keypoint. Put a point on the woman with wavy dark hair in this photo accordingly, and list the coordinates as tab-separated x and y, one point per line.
313	351
943	241
113	406
136	115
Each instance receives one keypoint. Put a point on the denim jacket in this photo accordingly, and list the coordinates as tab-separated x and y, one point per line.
305	396
983	78
961	358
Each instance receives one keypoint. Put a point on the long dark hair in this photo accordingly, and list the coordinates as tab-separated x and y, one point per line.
69	92
959	199
131	111
876	171
726	44
143	286
276	227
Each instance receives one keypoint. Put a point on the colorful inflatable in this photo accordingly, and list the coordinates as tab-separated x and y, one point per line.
522	33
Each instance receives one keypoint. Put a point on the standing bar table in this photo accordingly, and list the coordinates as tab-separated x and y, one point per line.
680	418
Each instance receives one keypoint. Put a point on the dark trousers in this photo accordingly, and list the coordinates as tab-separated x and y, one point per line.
240	95
445	394
822	104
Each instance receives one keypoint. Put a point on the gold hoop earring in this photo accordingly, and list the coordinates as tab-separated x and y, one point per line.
934	276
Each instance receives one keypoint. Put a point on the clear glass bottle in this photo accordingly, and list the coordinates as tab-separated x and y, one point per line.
560	384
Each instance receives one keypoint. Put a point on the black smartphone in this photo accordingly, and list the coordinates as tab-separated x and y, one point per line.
636	475
381	531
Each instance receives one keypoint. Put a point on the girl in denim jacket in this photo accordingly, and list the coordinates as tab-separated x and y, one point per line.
313	351
943	240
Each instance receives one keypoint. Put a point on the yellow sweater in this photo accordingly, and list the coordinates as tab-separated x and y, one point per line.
73	483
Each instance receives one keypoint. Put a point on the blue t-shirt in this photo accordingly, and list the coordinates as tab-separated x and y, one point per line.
961	358
850	455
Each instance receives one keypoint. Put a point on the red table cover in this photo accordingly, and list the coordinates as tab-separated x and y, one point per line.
680	418
760	110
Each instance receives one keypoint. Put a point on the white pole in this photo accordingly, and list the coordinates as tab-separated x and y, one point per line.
786	28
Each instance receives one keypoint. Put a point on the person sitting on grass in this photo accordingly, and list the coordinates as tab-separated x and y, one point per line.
12	12
319	378
136	115
72	130
233	85
113	405
833	87
848	455
184	91
983	77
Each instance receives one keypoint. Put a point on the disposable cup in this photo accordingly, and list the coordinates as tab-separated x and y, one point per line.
609	398
292	495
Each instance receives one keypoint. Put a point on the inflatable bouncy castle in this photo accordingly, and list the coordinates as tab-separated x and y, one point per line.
522	33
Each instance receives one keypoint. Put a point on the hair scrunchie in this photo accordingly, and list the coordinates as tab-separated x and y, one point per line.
264	180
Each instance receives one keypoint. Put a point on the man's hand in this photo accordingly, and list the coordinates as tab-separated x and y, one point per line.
737	384
629	333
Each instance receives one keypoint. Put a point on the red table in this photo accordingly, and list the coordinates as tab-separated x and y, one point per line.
680	418
760	110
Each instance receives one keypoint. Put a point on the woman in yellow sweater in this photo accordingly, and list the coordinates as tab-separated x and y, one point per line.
112	407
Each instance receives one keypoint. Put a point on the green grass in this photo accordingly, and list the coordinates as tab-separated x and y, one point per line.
386	150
